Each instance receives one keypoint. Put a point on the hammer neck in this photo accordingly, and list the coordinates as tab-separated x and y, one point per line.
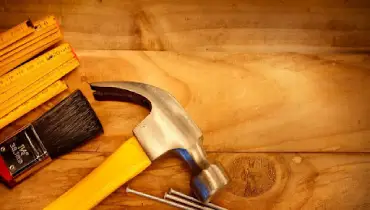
195	157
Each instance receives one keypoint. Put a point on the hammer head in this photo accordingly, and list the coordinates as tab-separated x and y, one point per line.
167	128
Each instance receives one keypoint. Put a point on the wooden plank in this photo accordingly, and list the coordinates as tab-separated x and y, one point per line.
260	181
204	25
282	102
242	102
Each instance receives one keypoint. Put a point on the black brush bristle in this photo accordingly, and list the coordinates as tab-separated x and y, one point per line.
67	125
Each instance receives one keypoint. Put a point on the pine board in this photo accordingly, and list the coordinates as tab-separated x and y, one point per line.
260	181
245	102
218	25
291	129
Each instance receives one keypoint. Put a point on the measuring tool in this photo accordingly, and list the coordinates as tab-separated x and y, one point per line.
28	43
46	65
21	85
17	32
29	52
24	46
29	68
42	28
34	102
38	86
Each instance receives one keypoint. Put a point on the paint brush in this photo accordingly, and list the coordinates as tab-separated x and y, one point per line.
58	131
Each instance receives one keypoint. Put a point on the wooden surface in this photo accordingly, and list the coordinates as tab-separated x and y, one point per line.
203	25
291	129
260	181
310	113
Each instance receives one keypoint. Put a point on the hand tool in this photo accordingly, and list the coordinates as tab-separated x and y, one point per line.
26	40
42	29
38	72
166	128
17	32
33	102
37	86
182	195
67	125
28	69
19	58
171	203
28	80
174	198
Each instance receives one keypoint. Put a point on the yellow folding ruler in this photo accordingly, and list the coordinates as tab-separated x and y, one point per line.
25	75
43	28
29	69
45	33
25	82
16	33
39	85
34	102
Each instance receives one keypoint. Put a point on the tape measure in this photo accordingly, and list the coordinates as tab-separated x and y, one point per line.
14	34
20	78
38	86
34	102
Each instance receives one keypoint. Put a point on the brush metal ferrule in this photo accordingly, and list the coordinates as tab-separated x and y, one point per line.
22	151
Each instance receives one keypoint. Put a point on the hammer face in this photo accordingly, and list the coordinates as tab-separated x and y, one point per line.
167	128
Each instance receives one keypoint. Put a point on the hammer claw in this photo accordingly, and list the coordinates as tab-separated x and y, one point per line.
117	94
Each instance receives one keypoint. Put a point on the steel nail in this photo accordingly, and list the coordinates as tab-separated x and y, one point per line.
185	201
182	195
171	203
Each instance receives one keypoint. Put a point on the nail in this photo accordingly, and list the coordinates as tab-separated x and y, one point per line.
171	203
182	195
185	201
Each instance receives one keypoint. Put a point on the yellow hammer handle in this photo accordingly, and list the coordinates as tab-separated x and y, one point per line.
125	163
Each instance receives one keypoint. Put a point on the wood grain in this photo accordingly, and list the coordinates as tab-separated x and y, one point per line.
236	25
288	104
242	102
260	181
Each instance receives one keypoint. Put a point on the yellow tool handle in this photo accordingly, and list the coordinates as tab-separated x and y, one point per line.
124	164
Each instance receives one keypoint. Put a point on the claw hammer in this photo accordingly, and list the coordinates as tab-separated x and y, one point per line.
166	128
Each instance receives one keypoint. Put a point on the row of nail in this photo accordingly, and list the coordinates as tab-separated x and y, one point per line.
180	200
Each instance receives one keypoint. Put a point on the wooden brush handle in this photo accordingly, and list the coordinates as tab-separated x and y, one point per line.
125	163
